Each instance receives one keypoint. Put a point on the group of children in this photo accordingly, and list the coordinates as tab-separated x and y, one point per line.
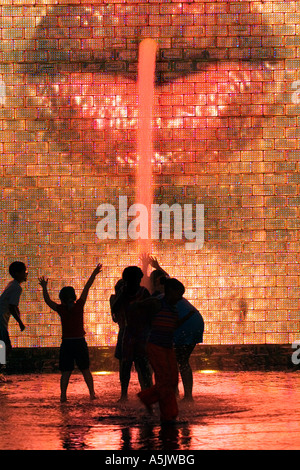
157	332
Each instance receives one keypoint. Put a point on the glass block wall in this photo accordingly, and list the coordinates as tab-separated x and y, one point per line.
225	136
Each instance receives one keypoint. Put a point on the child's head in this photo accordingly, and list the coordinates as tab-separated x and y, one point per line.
132	276
155	280
174	289
67	295
18	271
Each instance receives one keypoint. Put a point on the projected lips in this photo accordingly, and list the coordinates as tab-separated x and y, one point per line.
107	117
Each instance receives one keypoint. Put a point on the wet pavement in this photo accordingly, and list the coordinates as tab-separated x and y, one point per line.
231	411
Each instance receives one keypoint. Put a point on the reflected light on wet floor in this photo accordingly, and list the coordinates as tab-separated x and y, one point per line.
231	410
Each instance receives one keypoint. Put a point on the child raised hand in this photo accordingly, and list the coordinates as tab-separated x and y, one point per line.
73	348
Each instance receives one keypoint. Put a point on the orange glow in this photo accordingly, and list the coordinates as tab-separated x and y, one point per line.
207	371
102	372
146	77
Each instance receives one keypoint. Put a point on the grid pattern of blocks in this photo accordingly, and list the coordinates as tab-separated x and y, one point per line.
226	135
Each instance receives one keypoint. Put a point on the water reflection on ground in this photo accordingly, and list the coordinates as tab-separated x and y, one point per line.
231	410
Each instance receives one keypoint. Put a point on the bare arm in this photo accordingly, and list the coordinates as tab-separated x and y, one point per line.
148	260
116	302
43	282
14	310
155	264
90	281
111	302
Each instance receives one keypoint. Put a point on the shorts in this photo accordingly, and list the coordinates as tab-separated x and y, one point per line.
73	351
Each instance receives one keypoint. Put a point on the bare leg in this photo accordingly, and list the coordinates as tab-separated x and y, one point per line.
64	381
125	373
144	372
89	381
183	355
187	380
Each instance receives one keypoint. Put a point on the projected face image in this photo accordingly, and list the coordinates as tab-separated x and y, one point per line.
224	135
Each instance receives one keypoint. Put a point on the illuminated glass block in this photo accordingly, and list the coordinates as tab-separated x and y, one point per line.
228	338
254	338
277	338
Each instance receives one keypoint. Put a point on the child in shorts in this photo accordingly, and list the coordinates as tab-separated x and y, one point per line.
9	302
73	348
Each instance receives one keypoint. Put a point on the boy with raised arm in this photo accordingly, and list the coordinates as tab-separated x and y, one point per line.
73	348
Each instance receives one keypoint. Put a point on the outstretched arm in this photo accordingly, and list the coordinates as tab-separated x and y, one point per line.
155	264
43	282
148	260
90	281
144	258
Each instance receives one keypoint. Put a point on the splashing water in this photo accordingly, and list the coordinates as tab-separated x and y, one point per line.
248	410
